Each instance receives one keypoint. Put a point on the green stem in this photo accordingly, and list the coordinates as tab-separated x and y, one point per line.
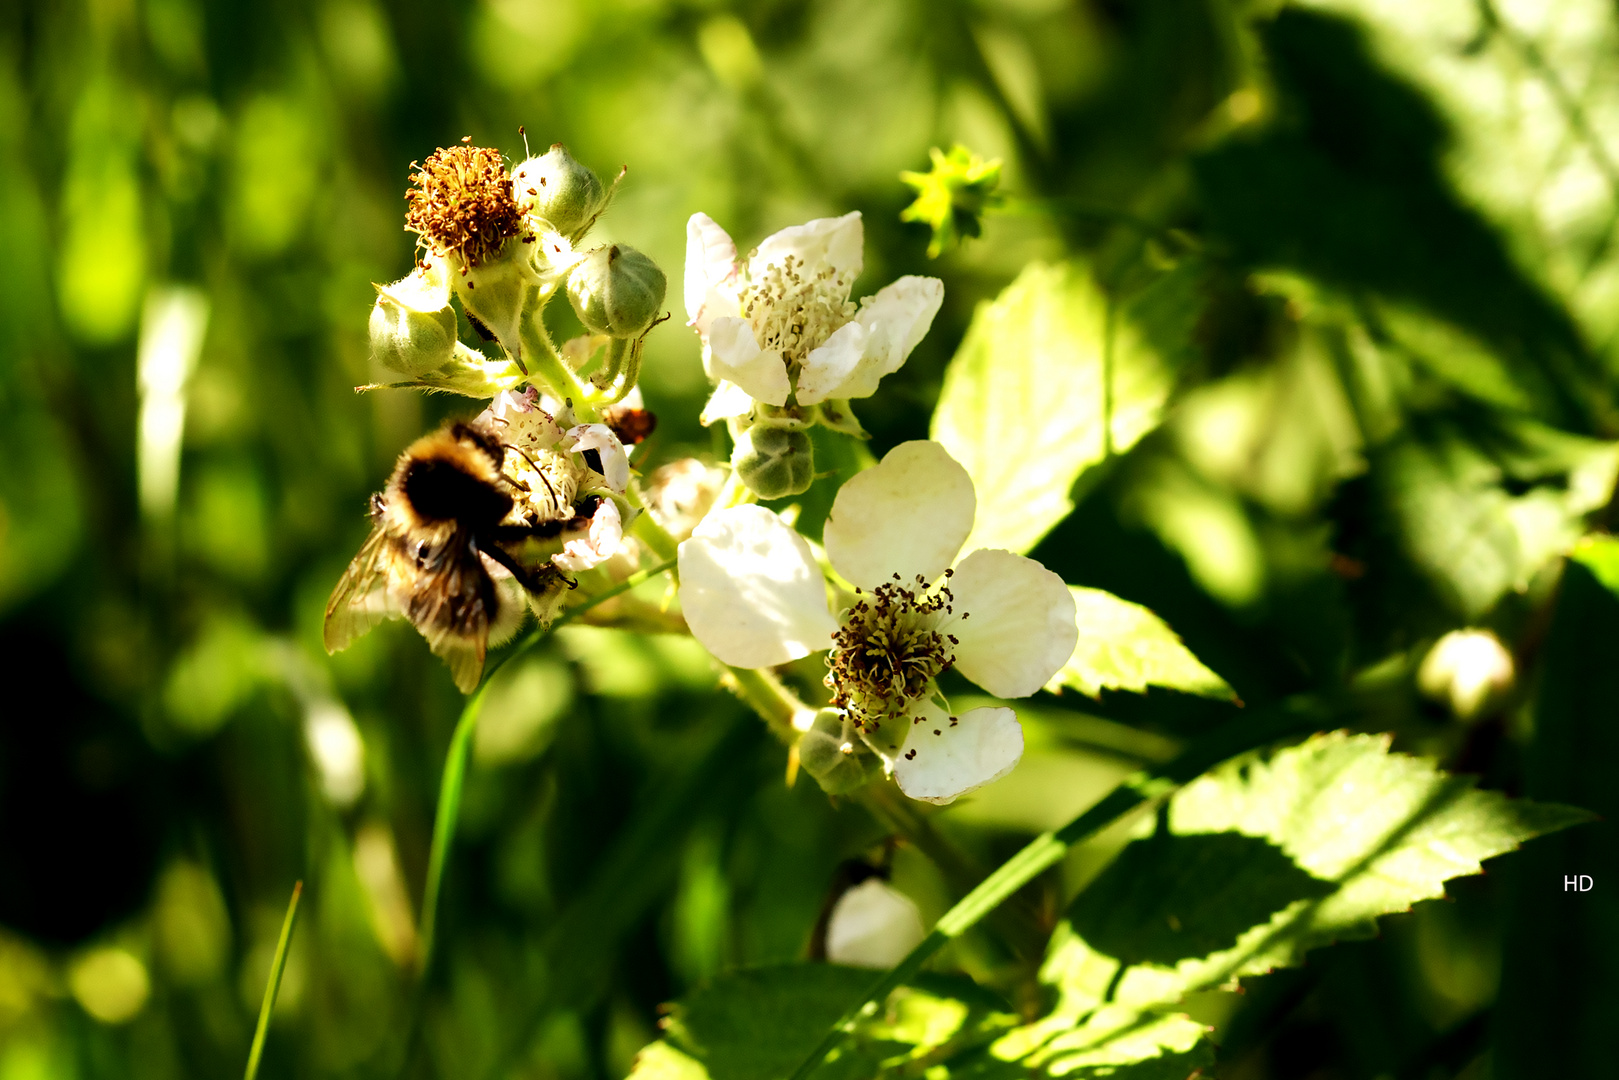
546	363
455	762
646	527
277	966
780	708
776	705
1047	849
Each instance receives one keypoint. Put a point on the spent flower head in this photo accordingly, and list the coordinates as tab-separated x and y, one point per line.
754	595
460	203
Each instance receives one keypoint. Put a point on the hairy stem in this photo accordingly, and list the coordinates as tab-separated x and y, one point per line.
546	363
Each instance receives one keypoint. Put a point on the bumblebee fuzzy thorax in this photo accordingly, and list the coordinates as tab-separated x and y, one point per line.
448	478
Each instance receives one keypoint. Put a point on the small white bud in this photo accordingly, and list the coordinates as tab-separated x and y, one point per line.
873	925
1468	669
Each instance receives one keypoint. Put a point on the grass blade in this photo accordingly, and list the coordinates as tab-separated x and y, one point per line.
277	966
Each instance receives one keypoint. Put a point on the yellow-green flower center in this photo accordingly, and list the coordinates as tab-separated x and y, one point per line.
794	311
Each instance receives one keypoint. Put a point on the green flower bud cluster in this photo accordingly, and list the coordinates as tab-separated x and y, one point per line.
771	449
503	244
772	452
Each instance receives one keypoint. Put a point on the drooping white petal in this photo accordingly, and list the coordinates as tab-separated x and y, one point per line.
751	591
896	319
734	354
828	368
1014	621
872	925
710	261
599	543
941	761
615	463
909	515
836	242
517	420
727	400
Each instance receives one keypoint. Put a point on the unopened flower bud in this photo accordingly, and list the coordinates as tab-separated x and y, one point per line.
873	925
616	290
774	461
1469	670
559	189
840	764
413	326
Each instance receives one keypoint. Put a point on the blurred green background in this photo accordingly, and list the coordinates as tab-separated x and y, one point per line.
1392	414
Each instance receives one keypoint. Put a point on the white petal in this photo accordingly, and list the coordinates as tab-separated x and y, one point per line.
896	319
872	925
751	591
728	400
828	368
983	745
734	354
710	260
518	421
909	515
615	463
1014	620
600	542
835	242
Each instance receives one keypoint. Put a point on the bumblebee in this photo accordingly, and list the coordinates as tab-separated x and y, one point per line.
443	550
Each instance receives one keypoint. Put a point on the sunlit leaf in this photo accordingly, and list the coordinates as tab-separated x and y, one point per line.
1481	511
1123	646
1035	395
1275	854
758	1024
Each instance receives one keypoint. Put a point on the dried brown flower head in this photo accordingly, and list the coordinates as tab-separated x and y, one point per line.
461	202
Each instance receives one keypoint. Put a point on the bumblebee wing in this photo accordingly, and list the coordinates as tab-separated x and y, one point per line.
362	598
452	606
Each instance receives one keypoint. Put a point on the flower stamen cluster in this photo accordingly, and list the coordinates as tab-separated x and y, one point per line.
794	309
889	650
461	201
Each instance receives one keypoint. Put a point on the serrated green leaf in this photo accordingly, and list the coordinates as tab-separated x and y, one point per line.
1034	397
1124	646
1253	863
759	1024
1382	830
